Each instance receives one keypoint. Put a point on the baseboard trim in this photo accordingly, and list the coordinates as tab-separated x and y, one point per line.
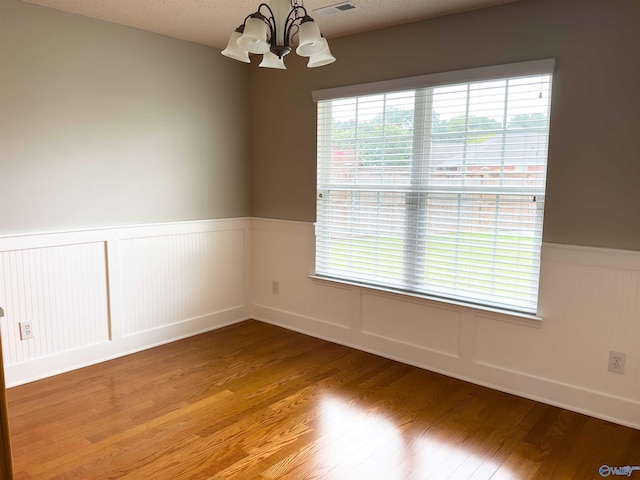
45	367
569	397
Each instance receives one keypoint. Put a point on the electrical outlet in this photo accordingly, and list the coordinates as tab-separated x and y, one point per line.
275	287
616	362
26	330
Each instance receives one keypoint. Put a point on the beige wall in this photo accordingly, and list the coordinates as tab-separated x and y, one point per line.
107	125
594	156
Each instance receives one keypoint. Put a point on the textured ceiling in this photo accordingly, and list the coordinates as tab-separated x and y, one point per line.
210	22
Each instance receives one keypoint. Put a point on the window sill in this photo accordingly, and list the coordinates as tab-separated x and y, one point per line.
491	312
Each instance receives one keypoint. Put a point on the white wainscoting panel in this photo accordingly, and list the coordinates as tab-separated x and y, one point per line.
62	291
98	294
590	310
175	278
284	251
103	293
589	299
423	326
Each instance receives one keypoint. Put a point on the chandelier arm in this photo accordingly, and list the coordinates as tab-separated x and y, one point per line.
292	18
244	24
293	32
265	5
270	20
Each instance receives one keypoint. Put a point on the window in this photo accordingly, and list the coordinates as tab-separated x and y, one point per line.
435	185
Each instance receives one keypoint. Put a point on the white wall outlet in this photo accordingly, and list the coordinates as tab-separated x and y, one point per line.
275	287
616	362
26	330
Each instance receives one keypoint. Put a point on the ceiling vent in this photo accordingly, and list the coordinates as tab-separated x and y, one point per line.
337	8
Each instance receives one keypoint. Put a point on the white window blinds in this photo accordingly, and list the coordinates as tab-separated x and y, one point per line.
437	190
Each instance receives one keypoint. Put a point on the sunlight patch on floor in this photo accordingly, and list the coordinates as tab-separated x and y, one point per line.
363	443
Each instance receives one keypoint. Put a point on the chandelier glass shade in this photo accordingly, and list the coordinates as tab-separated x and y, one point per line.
270	32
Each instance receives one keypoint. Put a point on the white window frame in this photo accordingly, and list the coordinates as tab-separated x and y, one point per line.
539	67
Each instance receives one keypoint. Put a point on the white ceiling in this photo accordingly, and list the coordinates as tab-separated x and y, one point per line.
210	22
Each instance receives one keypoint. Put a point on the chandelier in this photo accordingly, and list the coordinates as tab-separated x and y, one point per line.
270	32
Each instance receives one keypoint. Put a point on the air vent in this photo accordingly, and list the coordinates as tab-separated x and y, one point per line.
337	8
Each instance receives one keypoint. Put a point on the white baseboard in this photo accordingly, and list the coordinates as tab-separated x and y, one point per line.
566	396
45	367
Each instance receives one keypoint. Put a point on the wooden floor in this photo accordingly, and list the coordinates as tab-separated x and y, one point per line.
254	401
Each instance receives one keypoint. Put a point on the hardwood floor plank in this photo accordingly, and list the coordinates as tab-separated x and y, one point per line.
254	401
